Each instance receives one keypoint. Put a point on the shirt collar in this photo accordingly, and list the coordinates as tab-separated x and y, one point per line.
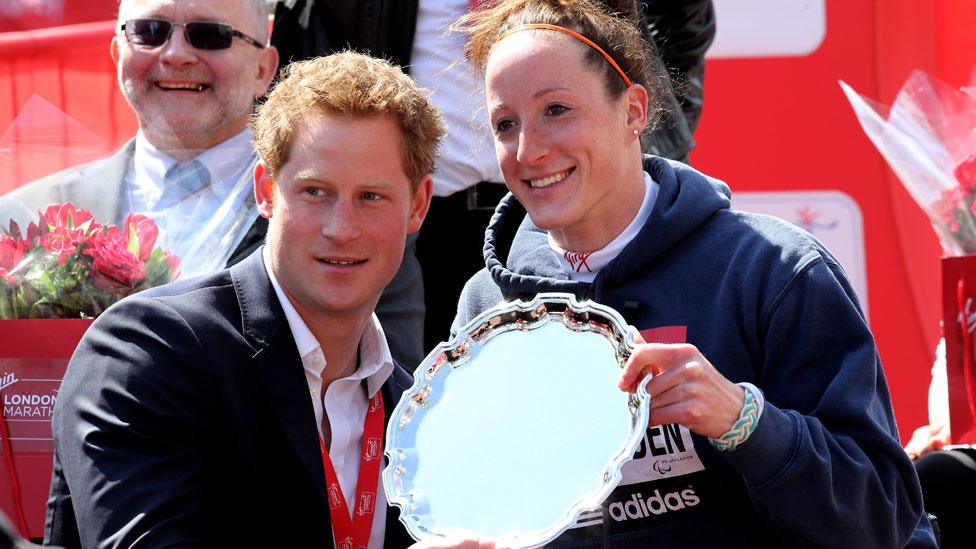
375	360
224	161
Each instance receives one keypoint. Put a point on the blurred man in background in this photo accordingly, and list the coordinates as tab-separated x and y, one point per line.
191	72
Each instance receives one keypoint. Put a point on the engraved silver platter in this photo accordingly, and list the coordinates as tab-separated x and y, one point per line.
516	426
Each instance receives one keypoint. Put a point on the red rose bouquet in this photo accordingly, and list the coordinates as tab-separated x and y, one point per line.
928	137
67	265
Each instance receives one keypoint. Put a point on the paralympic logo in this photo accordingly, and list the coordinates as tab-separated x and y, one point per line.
661	467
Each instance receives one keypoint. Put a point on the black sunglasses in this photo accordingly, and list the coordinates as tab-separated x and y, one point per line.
202	35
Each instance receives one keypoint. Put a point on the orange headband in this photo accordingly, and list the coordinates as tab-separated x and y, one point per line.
575	35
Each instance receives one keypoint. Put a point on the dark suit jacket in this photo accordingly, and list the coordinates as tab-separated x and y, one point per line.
184	420
98	187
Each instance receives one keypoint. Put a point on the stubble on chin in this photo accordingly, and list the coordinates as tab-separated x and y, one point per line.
174	127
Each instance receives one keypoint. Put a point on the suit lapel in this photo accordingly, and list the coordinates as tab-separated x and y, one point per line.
399	381
253	238
280	370
103	187
278	364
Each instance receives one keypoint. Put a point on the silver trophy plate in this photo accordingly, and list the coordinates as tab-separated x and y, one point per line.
516	426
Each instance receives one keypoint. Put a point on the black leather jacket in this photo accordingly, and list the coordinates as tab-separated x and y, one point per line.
309	28
681	31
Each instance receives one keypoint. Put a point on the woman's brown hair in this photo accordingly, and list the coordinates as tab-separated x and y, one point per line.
614	29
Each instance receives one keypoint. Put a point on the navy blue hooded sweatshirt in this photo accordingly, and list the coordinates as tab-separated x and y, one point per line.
766	303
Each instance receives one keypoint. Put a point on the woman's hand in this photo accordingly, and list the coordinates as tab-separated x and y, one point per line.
926	439
685	388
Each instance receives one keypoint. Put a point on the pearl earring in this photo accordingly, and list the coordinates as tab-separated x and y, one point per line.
636	132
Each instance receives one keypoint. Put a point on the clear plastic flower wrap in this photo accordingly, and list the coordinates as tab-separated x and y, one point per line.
928	137
73	243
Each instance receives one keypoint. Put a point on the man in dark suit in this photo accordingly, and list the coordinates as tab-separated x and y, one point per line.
247	407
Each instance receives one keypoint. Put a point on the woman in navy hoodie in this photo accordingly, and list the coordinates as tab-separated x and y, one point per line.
771	423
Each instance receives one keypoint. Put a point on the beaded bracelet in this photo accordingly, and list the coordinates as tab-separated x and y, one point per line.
748	419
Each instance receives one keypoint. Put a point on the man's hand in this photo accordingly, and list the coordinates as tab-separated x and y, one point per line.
926	439
685	388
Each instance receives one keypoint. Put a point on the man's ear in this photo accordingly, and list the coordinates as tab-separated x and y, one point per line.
267	67
263	190
419	204
636	109
113	50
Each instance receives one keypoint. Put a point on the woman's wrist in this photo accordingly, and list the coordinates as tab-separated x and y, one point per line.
746	423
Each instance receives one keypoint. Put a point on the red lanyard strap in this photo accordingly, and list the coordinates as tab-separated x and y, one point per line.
351	530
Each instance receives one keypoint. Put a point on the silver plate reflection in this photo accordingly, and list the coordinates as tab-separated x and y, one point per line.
515	426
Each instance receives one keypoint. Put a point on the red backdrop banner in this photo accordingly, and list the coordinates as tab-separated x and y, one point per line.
19	15
59	101
781	123
33	356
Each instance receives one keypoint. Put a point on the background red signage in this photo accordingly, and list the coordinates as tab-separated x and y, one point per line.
783	124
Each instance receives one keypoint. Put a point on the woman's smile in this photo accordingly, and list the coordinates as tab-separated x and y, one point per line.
542	182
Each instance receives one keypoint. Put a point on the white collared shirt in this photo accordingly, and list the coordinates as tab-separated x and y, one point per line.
467	154
584	266
345	401
225	161
181	225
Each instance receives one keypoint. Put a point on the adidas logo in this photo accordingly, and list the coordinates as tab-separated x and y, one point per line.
638	507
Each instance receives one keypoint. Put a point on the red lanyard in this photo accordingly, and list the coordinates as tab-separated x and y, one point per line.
352	532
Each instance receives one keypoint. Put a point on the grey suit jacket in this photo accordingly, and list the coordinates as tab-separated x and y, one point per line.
96	186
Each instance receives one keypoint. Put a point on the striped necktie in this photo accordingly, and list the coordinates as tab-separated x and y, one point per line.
182	180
